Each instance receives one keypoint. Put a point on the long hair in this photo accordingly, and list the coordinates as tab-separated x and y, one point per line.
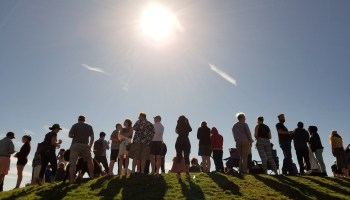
334	134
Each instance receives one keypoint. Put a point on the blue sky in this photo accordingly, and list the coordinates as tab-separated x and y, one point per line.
287	57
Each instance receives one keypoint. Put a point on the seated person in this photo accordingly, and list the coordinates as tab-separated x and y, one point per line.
174	167
195	167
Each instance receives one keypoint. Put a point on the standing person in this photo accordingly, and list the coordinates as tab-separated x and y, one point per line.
36	164
22	158
285	140
156	145
144	132
125	136
81	146
183	145
203	135
243	138
48	155
6	149
337	149
301	138
114	148
262	134
164	151
217	141
100	147
317	148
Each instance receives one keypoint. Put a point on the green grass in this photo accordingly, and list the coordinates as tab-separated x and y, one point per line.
201	186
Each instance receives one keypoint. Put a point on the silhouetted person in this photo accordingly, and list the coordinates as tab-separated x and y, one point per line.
301	138
203	135
337	149
6	149
217	141
285	140
317	148
156	145
100	147
183	145
164	151
22	158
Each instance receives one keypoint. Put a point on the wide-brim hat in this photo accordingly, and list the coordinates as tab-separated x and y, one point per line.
53	127
10	134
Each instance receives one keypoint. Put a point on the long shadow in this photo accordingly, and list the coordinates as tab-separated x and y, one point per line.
306	189
144	187
341	181
21	193
59	191
193	192
99	182
283	188
329	186
113	188
225	184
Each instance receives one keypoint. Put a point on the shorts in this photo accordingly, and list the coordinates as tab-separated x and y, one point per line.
22	161
114	154
139	151
156	148
204	150
122	148
4	165
79	150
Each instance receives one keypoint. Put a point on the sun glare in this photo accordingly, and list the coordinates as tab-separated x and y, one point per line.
157	22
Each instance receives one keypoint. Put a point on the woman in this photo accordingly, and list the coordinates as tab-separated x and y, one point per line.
337	149
114	148
125	136
183	145
22	158
262	135
203	135
317	148
217	141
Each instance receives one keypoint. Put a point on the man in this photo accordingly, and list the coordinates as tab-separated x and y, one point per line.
48	155
100	147
6	149
156	145
285	140
144	132
301	138
317	148
81	146
243	138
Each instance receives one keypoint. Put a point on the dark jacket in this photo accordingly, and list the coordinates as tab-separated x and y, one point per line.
301	138
315	142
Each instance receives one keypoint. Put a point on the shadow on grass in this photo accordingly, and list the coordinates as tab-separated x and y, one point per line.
328	186
225	184
142	186
341	181
113	188
58	191
193	191
21	193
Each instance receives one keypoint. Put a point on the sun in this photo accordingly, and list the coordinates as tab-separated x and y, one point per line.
157	22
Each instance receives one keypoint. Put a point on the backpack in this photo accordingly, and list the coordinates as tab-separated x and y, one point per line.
98	147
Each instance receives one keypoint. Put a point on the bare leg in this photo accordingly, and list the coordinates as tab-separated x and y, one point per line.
90	164
19	175
153	163
111	166
72	169
158	163
120	164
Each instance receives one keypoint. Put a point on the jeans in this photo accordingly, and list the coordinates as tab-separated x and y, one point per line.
217	157
319	158
303	155
287	152
103	160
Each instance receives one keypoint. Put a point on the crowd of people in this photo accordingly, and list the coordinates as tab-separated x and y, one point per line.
143	143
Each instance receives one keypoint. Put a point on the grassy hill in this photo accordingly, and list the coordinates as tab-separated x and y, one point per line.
201	186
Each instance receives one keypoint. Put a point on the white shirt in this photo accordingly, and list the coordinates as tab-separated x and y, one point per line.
158	132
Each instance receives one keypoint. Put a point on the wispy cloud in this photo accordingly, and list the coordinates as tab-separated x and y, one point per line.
223	74
95	69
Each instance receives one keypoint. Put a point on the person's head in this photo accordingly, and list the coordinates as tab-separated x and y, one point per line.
55	128
203	124
240	117
81	118
10	135
61	152
128	123
157	119
300	125
214	131
194	161
313	129
260	120
334	134
281	118
182	119
118	127
61	165
26	138
102	134
142	116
